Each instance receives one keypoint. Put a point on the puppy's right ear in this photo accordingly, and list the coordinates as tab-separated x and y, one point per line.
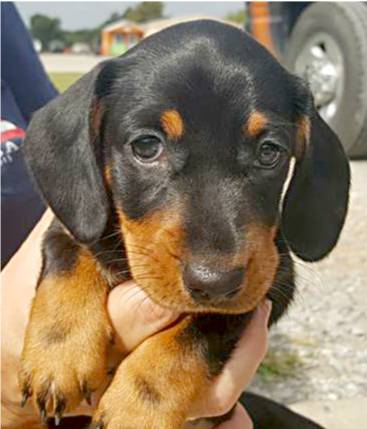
61	150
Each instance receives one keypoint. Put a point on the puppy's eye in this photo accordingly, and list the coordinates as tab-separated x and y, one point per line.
269	154
147	148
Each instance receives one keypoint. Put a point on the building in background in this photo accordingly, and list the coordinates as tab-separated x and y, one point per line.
116	38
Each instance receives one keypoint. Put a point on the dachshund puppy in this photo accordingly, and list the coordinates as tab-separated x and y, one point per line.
193	164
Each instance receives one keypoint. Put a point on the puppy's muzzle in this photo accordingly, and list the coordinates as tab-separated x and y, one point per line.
206	284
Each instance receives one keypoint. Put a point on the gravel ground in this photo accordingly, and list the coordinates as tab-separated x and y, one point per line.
325	331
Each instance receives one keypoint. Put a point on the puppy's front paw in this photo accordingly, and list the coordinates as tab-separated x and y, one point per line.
59	378
63	364
154	386
135	404
131	402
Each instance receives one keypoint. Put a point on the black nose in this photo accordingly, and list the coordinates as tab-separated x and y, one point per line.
207	284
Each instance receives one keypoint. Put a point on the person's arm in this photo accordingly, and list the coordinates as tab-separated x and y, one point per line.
25	88
22	70
133	324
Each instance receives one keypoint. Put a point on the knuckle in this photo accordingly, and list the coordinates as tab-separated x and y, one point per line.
225	405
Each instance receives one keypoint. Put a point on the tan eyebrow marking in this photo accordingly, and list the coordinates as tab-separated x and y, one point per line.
172	123
302	135
255	123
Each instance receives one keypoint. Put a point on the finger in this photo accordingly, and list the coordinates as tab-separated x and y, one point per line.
239	420
249	353
134	316
240	369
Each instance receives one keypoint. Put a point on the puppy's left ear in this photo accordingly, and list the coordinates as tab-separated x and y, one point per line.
316	203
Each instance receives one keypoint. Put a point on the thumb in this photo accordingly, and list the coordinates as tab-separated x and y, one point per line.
135	316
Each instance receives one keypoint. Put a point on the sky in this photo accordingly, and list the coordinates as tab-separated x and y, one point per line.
77	15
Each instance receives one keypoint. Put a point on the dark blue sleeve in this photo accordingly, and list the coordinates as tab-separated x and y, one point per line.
25	88
21	68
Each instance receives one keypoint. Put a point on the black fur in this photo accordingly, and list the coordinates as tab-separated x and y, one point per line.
215	76
59	251
318	195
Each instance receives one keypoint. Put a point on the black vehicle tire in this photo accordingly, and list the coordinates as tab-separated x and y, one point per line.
346	24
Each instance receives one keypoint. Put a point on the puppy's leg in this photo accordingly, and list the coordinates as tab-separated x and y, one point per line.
156	385
64	354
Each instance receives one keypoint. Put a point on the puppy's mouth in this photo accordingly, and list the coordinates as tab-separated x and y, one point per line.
196	288
176	278
200	290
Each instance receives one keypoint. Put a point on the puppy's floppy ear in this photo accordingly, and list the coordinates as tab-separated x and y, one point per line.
316	203
60	150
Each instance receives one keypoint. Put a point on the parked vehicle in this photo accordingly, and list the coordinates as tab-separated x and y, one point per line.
37	44
325	43
56	46
80	48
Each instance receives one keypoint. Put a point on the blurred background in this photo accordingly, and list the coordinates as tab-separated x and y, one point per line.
73	37
317	361
326	43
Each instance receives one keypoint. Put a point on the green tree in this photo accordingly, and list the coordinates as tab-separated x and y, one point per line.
238	17
46	29
144	11
115	16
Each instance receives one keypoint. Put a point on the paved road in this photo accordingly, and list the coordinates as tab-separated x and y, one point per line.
67	63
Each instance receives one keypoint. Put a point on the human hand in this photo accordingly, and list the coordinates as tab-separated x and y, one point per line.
135	317
237	374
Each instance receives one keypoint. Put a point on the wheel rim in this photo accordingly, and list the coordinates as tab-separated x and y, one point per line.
321	63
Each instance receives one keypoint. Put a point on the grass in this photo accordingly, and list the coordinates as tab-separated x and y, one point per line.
62	81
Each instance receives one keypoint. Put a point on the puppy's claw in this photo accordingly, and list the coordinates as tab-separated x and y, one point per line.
26	395
57	419
88	398
41	402
59	410
87	393
99	425
43	415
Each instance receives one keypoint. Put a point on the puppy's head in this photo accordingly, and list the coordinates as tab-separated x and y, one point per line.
206	148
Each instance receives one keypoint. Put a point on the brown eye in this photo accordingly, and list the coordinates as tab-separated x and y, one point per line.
269	154
147	148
